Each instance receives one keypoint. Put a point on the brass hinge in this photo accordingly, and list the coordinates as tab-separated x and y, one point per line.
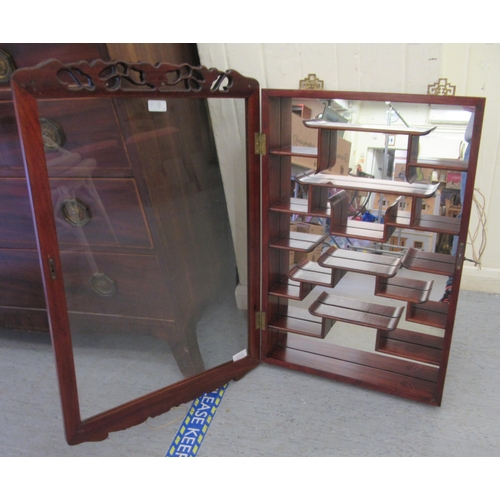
260	143
260	320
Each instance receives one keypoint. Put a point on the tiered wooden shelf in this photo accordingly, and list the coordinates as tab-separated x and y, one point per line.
318	200
349	182
407	363
289	289
301	206
361	262
413	345
406	343
384	268
342	225
304	151
413	161
428	313
356	312
328	135
406	289
426	222
298	242
414	166
360	127
297	320
316	274
394	376
328	309
440	164
428	262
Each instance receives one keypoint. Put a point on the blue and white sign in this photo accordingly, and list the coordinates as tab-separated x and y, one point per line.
188	440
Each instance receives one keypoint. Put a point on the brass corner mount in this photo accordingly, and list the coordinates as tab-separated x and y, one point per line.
312	82
441	87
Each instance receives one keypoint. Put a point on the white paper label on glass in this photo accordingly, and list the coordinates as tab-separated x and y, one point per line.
240	355
156	106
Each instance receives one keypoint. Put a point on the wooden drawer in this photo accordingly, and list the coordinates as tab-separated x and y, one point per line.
130	285
22	301
88	212
92	138
99	212
90	142
115	285
16	223
18	55
11	159
21	283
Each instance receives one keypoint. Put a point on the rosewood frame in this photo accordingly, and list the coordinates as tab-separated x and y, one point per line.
276	126
98	79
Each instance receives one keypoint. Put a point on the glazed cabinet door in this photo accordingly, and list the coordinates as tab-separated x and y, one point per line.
135	238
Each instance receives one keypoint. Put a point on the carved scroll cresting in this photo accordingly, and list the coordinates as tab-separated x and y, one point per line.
101	76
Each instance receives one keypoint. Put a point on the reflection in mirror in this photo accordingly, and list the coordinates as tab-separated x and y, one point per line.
149	265
374	218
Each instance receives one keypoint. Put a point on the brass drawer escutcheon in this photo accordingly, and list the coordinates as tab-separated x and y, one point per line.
103	285
76	212
7	66
52	135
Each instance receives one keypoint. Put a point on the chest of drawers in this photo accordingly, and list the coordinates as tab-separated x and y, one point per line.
112	242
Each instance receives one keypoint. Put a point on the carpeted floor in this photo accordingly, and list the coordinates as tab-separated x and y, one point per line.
274	412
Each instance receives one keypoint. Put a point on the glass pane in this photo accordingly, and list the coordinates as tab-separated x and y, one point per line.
150	268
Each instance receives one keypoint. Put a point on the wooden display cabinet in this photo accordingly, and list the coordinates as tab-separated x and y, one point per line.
394	302
307	316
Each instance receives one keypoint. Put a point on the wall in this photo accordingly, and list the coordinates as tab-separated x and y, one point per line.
409	68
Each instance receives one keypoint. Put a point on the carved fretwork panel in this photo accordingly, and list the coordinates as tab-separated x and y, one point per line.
100	77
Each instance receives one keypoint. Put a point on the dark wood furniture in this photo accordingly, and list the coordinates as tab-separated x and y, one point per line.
401	361
89	139
95	139
405	362
22	303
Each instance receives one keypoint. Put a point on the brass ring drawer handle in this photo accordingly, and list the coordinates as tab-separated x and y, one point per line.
103	284
76	212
